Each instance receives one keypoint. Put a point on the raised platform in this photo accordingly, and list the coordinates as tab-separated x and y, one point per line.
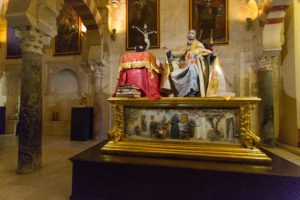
100	176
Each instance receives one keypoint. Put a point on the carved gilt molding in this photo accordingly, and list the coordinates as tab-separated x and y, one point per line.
115	134
248	138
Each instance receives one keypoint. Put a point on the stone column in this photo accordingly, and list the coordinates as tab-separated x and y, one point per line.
269	92
98	69
30	124
35	25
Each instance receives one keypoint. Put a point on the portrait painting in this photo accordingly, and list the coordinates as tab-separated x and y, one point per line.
67	40
13	44
210	20
142	22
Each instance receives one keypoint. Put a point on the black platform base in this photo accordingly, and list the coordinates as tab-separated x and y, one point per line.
98	176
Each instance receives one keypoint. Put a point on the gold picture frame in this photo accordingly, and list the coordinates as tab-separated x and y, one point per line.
139	13
210	20
123	141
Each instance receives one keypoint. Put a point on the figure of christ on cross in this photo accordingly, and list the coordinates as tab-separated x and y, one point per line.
146	34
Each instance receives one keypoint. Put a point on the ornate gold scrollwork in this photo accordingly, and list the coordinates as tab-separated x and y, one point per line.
248	138
115	134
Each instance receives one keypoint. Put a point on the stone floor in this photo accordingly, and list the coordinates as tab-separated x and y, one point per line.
52	182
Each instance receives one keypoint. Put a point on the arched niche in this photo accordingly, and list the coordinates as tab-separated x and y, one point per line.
64	89
65	82
64	92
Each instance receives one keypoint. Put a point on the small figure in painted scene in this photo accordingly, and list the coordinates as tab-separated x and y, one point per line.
164	129
174	127
137	130
153	126
143	123
146	34
185	127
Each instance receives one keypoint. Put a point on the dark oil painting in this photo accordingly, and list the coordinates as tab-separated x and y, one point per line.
142	14
210	20
68	39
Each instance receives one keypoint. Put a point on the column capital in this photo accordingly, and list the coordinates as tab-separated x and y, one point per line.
96	61
268	62
97	68
32	40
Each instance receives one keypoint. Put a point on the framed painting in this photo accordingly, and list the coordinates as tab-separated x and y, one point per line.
194	128
142	23
68	40
210	20
13	49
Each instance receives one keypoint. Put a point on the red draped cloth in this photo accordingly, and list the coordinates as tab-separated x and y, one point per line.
140	69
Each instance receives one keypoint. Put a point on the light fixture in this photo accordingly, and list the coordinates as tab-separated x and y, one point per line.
113	34
251	14
83	28
115	3
249	23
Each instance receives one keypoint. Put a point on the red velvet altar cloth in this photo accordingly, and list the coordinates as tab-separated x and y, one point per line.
140	69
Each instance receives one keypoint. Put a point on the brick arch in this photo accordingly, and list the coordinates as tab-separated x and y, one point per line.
88	11
273	32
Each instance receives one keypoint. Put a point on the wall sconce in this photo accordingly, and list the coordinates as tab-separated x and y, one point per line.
113	34
251	13
115	3
249	23
83	29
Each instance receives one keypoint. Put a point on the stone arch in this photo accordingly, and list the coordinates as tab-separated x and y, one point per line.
89	13
270	62
273	32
